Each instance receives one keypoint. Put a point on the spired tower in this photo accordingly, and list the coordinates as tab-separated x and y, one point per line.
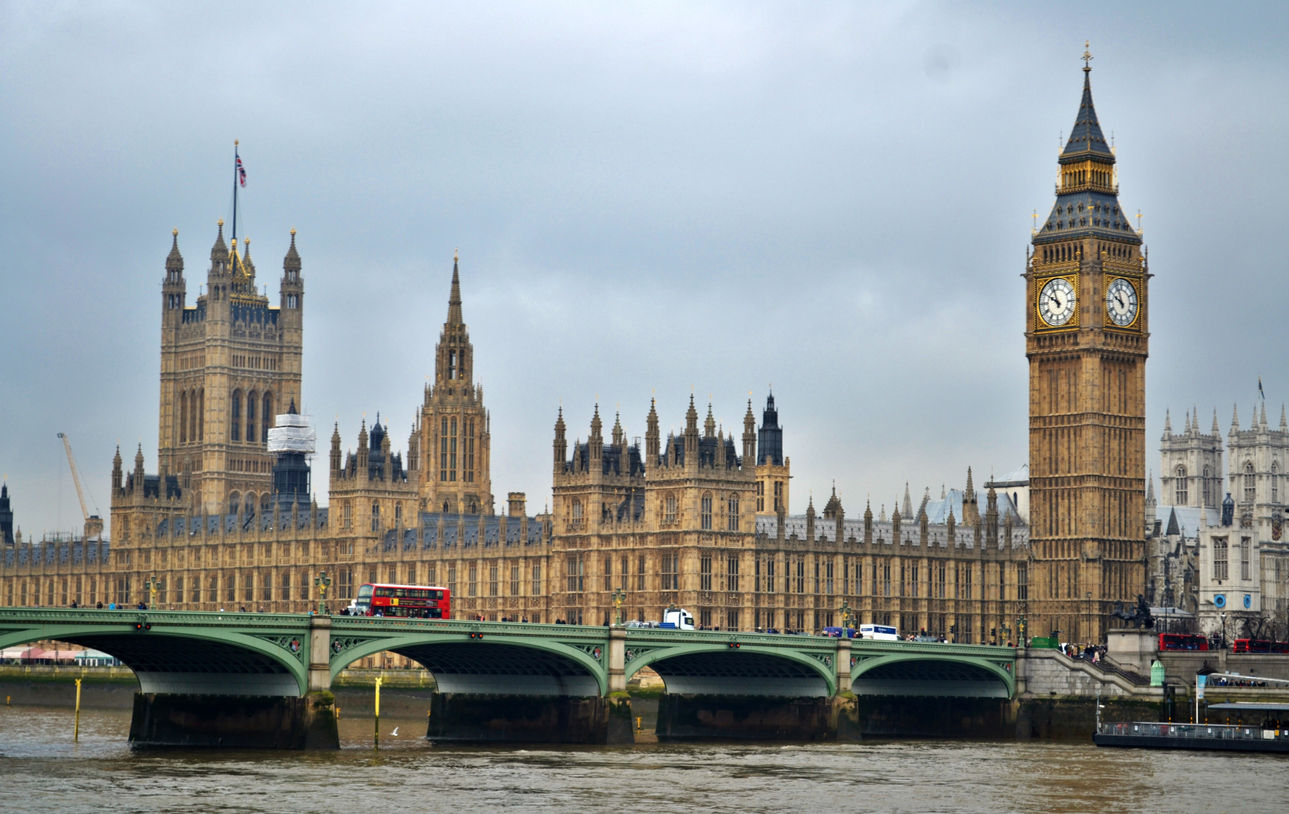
1086	340
229	364
450	442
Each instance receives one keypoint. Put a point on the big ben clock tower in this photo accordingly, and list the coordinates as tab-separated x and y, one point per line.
1086	340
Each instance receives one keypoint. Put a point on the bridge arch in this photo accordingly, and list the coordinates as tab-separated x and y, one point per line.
497	665
930	674
718	669
199	661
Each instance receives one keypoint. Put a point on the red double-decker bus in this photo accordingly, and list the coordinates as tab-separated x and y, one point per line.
410	601
1259	646
1182	641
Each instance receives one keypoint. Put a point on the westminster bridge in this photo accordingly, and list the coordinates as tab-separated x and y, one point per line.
264	679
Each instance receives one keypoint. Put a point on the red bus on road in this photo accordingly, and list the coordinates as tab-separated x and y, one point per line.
1259	646
411	601
1182	641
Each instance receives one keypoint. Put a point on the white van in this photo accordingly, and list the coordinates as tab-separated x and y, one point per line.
677	619
880	632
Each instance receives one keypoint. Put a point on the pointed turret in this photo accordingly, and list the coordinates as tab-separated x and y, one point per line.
749	437
1283	425
908	502
881	517
335	450
709	426
561	441
1168	424
1235	418
116	470
1263	421
652	451
174	260
219	251
454	300
1216	430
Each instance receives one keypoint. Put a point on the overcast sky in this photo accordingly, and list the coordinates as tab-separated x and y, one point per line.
649	199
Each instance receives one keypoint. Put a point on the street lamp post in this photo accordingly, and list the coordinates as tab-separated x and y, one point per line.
1222	616
151	585
846	616
322	582
618	596
1021	625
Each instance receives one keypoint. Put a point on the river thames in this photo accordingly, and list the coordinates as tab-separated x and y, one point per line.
41	769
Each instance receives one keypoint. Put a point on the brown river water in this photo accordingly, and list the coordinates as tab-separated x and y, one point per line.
43	770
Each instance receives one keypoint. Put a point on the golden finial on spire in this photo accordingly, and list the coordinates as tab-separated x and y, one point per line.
292	231
456	255
221	221
1087	56
174	232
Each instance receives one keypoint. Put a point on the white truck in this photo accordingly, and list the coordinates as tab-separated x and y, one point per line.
677	619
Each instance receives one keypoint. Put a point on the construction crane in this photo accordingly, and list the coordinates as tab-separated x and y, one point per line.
93	523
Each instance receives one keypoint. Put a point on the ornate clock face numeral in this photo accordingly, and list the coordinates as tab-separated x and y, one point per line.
1121	303
1056	302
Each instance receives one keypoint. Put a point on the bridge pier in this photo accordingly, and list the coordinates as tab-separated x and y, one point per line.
319	654
479	718
236	721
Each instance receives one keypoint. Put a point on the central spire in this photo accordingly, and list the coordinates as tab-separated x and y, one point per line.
454	301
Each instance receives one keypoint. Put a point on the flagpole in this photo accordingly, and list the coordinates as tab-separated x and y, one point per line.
235	157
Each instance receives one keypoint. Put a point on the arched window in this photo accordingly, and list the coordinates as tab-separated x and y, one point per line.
1250	483
266	418
183	418
1275	482
733	513
670	503
1207	487
452	364
706	513
375	516
349	514
250	418
1179	476
575	511
201	414
235	413
234	500
266	503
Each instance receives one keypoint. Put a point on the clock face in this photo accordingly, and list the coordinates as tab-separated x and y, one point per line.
1056	302
1121	303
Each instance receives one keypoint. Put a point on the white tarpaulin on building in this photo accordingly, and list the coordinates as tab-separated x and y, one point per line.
292	434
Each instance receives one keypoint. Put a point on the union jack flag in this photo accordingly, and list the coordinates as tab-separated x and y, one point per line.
241	171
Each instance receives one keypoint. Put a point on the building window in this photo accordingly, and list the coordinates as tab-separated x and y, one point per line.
574	570
670	504
1250	484
707	512
235	422
1245	564
514	580
670	572
801	576
1206	487
250	417
731	574
375	516
285	594
469	451
266	418
886	579
452	579
576	512
248	587
828	566
472	580
1219	558
731	620
1179	482
733	513
1275	482
493	583
537	579
608	573
705	573
966	583
760	496
769	574
640	573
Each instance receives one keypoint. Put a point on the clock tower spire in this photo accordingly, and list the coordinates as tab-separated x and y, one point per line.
1086	340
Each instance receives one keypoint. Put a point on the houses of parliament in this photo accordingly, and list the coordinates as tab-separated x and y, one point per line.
700	518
